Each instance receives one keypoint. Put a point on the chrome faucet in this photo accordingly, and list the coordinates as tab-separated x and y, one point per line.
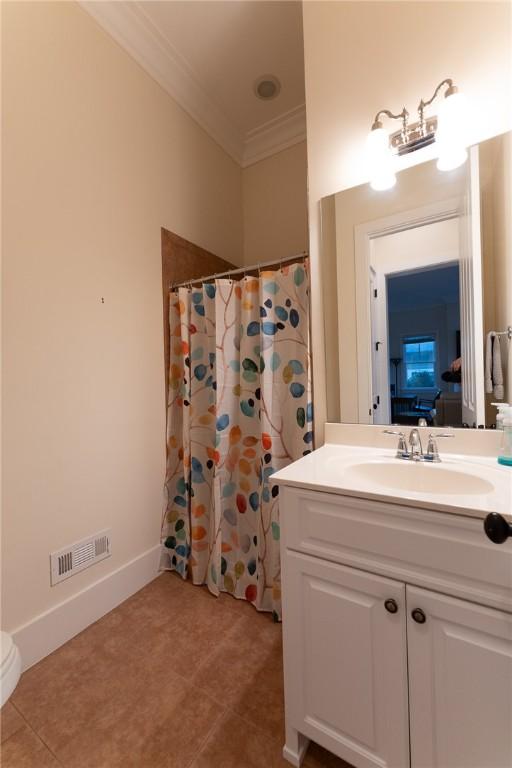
401	451
415	446
432	453
415	450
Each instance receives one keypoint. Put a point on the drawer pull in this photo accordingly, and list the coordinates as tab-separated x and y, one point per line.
497	528
418	616
391	606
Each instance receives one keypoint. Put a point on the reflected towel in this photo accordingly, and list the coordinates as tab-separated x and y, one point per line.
497	370
493	367
488	363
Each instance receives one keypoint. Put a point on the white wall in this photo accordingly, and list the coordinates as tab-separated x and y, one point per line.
275	206
96	158
361	57
433	243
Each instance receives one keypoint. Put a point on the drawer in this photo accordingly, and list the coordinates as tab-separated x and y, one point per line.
443	552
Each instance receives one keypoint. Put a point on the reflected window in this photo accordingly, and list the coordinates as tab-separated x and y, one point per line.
420	359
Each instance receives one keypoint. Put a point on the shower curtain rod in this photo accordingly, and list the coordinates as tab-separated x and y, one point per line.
240	270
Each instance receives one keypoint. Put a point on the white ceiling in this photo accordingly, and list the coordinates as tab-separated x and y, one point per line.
207	55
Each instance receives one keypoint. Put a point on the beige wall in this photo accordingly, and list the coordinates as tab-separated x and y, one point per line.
275	206
503	249
361	57
96	158
496	197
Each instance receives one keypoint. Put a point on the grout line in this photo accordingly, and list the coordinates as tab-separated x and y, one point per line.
38	736
226	710
216	647
266	735
254	726
206	594
21	725
206	738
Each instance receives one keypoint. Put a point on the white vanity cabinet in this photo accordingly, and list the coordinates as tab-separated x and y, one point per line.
460	683
346	660
390	660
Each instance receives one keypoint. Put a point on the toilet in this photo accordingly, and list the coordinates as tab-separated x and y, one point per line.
10	667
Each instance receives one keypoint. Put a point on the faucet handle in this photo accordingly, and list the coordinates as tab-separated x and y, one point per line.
401	451
432	453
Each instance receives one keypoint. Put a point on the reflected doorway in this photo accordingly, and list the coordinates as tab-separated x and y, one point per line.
415	298
423	309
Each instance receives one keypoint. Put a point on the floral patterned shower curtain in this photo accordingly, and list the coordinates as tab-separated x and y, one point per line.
239	409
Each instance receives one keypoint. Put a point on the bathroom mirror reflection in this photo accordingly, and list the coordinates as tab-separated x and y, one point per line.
418	313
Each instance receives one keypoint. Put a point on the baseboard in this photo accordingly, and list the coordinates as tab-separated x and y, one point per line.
296	757
51	629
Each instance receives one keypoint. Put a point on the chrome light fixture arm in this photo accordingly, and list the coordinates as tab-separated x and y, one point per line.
403	116
450	90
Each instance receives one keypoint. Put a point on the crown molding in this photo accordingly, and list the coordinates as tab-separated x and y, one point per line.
275	135
129	25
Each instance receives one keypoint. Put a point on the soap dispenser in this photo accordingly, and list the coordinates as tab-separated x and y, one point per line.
505	455
502	407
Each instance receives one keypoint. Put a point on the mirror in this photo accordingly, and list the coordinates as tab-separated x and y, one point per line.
414	279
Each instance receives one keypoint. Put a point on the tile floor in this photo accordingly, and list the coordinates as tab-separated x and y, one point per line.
172	678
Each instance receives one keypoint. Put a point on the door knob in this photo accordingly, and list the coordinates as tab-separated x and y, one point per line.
418	616
497	528
391	605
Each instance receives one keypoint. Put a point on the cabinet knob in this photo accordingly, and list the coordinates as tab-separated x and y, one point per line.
497	528
418	616
391	605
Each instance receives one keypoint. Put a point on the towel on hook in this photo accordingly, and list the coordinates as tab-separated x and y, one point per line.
493	367
488	363
497	370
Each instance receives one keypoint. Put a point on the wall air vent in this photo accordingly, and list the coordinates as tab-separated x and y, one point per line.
70	560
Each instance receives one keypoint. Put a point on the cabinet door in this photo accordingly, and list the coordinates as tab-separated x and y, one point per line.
346	661
460	683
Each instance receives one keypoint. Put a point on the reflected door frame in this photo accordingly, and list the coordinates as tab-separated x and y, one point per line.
364	236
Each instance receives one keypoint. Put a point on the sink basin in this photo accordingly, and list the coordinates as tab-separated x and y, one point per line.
461	484
419	478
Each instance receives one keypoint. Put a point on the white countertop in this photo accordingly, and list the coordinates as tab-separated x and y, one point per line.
330	469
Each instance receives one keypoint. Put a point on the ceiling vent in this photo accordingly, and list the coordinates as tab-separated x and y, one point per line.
267	87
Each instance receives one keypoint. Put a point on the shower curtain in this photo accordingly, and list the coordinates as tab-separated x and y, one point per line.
239	409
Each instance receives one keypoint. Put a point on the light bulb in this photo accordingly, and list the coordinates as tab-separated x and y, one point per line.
450	136
383	181
380	160
451	158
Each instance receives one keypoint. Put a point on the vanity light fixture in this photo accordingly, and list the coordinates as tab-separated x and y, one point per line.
446	130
